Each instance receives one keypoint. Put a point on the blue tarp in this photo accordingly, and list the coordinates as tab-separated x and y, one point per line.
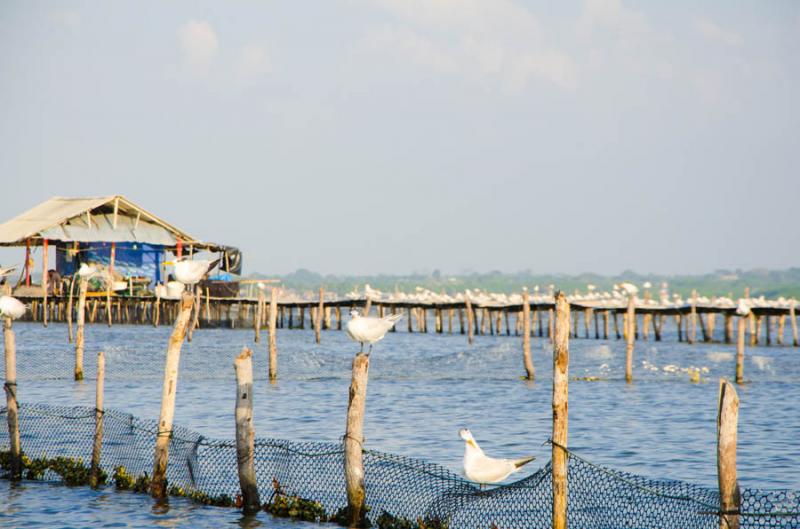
130	259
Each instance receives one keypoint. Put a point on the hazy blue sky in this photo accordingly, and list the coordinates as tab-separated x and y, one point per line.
398	135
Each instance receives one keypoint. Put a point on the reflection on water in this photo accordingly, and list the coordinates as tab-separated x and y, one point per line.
422	389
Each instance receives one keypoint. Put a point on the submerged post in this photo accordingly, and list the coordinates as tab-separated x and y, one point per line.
320	313
245	432
727	422
630	338
158	485
10	386
354	439
273	339
259	316
526	334
470	319
740	350
560	411
84	285
98	420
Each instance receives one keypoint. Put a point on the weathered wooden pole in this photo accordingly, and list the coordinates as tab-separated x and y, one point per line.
158	484
630	338
98	420
273	338
245	432
781	328
354	441
44	282
320	315
740	350
110	281
616	325
692	333
258	317
605	324
526	335
560	411
79	335
728	327
470	318
727	423
551	324
69	308
10	386
793	320
195	313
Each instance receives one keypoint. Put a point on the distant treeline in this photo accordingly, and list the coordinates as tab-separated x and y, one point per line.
769	283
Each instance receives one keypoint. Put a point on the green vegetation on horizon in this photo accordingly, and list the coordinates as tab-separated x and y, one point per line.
769	283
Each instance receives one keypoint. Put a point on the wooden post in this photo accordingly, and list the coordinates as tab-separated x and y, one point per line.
110	280
781	328
10	387
727	423
273	338
461	320
526	335
69	307
560	411
551	324
692	331
605	324
98	419
712	323
631	317
470	317
740	350
320	316
245	432
195	313
354	440
616	325
84	285
793	319
259	316
158	484
44	282
728	327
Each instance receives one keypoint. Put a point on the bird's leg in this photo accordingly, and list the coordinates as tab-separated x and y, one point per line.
361	351
370	349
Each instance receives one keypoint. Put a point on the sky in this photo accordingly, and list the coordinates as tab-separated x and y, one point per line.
392	136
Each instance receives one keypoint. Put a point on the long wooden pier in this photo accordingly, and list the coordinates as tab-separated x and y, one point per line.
602	319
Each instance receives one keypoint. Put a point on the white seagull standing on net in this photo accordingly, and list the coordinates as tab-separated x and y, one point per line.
369	329
191	272
484	470
11	307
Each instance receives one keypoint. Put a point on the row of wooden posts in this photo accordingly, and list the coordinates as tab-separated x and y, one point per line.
766	326
354	438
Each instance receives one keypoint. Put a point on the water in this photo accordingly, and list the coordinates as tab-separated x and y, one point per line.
422	389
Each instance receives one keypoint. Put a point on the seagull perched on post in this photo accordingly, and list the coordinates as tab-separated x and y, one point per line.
369	329
190	272
484	470
11	307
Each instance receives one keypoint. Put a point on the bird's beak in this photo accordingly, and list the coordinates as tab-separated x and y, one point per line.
167	263
471	442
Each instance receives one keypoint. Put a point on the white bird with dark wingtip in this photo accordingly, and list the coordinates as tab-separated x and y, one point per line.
7	271
482	469
367	329
190	272
11	307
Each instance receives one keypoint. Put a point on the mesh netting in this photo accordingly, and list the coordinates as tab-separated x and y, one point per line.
403	487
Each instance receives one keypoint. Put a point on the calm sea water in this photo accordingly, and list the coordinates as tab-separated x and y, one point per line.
422	389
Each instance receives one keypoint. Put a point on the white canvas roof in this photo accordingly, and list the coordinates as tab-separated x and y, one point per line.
110	219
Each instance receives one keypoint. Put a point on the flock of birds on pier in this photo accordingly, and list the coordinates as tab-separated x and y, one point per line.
616	298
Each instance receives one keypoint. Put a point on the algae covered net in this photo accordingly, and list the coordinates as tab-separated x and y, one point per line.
401	492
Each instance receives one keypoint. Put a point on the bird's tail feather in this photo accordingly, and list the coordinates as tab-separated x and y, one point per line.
393	318
523	461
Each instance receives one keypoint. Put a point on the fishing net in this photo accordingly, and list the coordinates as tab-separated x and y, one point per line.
401	492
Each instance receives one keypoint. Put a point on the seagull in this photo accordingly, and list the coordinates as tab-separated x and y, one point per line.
87	271
11	307
482	469
190	272
742	308
629	288
7	271
369	329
